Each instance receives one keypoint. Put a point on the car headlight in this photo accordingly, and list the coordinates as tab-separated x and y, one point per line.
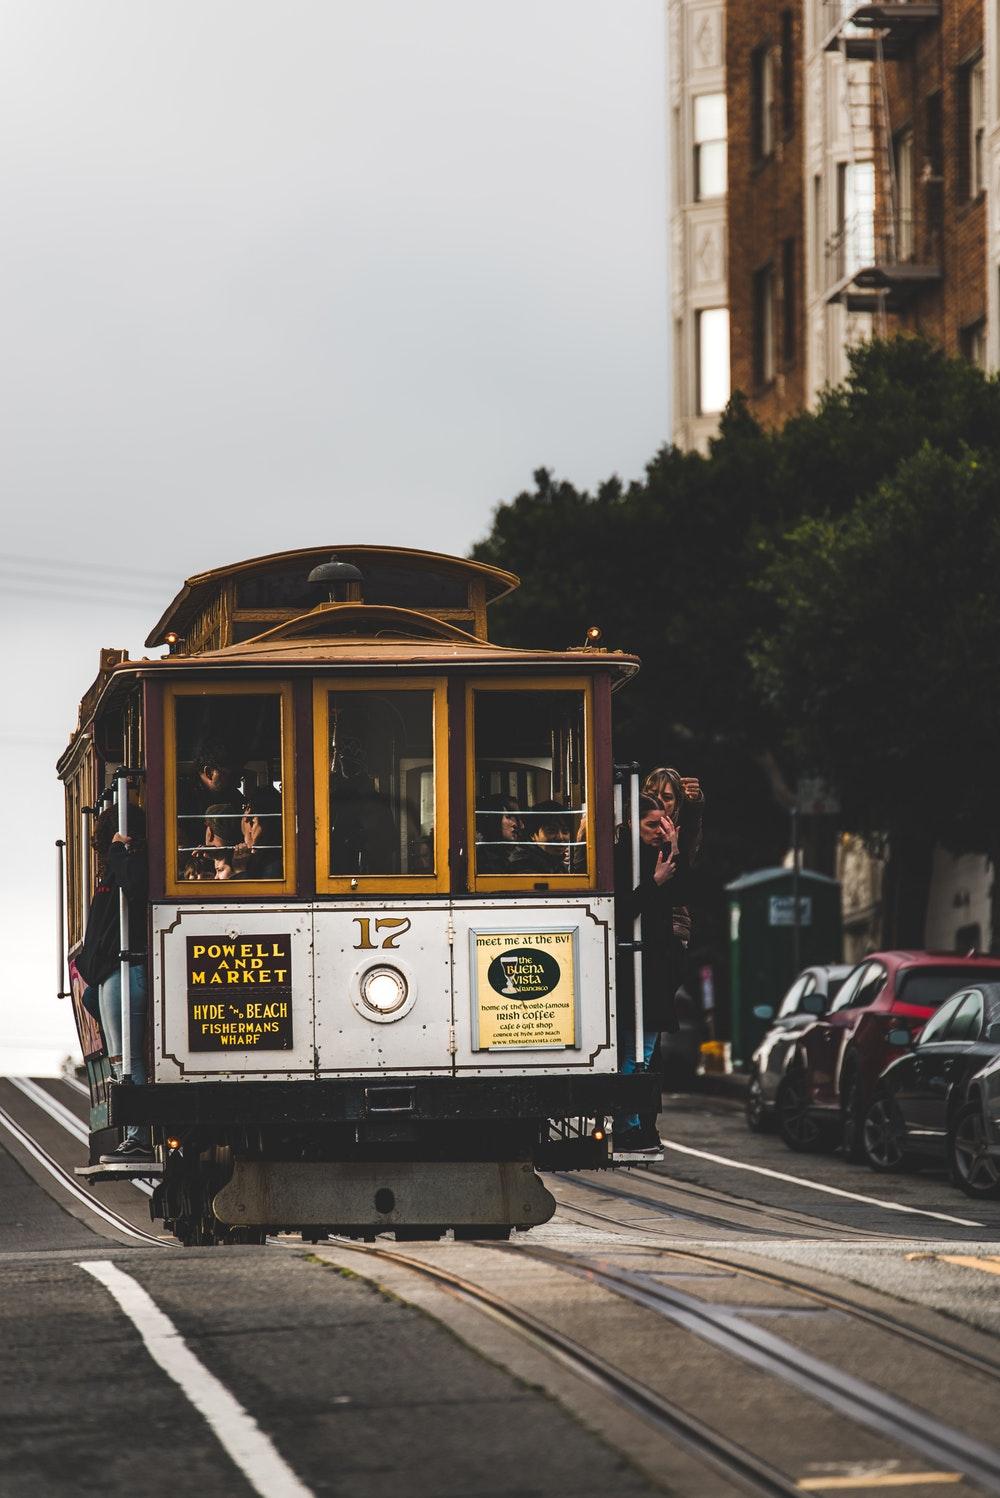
383	989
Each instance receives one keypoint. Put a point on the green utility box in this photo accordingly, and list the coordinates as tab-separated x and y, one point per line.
762	943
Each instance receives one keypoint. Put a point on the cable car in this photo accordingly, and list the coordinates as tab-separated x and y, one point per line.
380	917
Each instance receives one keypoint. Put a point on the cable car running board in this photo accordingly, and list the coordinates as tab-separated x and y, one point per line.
374	1196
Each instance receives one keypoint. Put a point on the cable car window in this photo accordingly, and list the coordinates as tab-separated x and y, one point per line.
380	791
530	786
229	791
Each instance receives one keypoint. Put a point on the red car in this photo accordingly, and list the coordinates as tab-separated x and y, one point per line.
831	1076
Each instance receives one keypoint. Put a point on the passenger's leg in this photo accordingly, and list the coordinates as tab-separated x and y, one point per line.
111	1023
623	1122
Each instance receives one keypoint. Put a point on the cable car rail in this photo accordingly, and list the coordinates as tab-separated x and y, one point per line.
68	1184
727	1329
686	1430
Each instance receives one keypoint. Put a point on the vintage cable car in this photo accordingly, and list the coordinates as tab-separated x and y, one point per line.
381	939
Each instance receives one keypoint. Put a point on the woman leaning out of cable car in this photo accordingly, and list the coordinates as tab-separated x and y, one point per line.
121	865
652	900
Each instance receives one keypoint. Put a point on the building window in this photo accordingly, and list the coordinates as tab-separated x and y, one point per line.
902	152
855	237
713	360
972	131
819	234
762	102
972	343
787	72
763	326
789	307
709	146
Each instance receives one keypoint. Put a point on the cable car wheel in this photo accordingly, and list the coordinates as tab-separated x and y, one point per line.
186	1201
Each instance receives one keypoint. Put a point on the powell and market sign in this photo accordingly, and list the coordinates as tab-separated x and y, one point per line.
239	993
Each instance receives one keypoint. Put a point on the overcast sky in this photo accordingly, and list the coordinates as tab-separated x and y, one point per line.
275	275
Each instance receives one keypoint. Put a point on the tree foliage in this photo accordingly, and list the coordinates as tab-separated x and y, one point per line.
819	598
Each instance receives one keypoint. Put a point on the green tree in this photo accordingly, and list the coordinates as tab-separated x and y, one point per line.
882	660
731	575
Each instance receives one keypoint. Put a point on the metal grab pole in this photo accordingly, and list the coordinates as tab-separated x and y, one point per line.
633	798
86	812
121	797
61	993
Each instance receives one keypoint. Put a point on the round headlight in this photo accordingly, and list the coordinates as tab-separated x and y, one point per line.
384	989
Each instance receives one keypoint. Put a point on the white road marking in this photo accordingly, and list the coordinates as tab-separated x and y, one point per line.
238	1432
854	1196
64	1116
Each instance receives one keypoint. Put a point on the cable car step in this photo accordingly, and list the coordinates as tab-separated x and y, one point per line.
375	1196
128	1170
637	1157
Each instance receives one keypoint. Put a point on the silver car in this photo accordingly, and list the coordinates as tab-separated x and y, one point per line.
810	995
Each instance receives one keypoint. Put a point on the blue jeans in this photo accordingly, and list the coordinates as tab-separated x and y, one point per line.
111	1024
628	1066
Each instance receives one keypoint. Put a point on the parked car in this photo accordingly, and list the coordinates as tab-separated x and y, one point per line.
830	1082
809	996
974	1135
919	1094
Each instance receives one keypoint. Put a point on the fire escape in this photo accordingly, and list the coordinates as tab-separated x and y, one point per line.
882	253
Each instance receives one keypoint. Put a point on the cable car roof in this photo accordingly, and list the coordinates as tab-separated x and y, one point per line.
391	575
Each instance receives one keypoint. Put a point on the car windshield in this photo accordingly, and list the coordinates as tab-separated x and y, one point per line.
930	986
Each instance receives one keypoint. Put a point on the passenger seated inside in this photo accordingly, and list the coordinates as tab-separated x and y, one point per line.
364	837
213	781
261	828
224	841
550	831
499	832
422	855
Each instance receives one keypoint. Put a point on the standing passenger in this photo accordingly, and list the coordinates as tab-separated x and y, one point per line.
652	901
121	865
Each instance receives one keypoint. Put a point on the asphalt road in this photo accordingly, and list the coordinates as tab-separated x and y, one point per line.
288	1371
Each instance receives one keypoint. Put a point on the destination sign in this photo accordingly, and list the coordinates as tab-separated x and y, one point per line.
239	993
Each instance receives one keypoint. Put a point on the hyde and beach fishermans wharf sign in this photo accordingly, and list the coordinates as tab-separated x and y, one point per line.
524	989
239	993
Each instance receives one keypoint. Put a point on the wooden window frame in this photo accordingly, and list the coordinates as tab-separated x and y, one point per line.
229	889
360	885
529	883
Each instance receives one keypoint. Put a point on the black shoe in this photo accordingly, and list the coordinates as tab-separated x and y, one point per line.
628	1140
129	1152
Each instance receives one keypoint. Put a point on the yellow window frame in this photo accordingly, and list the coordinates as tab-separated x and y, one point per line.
482	883
380	884
230	889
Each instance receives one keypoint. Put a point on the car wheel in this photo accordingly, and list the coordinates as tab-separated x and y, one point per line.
796	1124
972	1169
852	1118
882	1135
757	1116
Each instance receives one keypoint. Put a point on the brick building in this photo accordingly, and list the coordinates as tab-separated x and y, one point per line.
860	196
862	191
764	80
